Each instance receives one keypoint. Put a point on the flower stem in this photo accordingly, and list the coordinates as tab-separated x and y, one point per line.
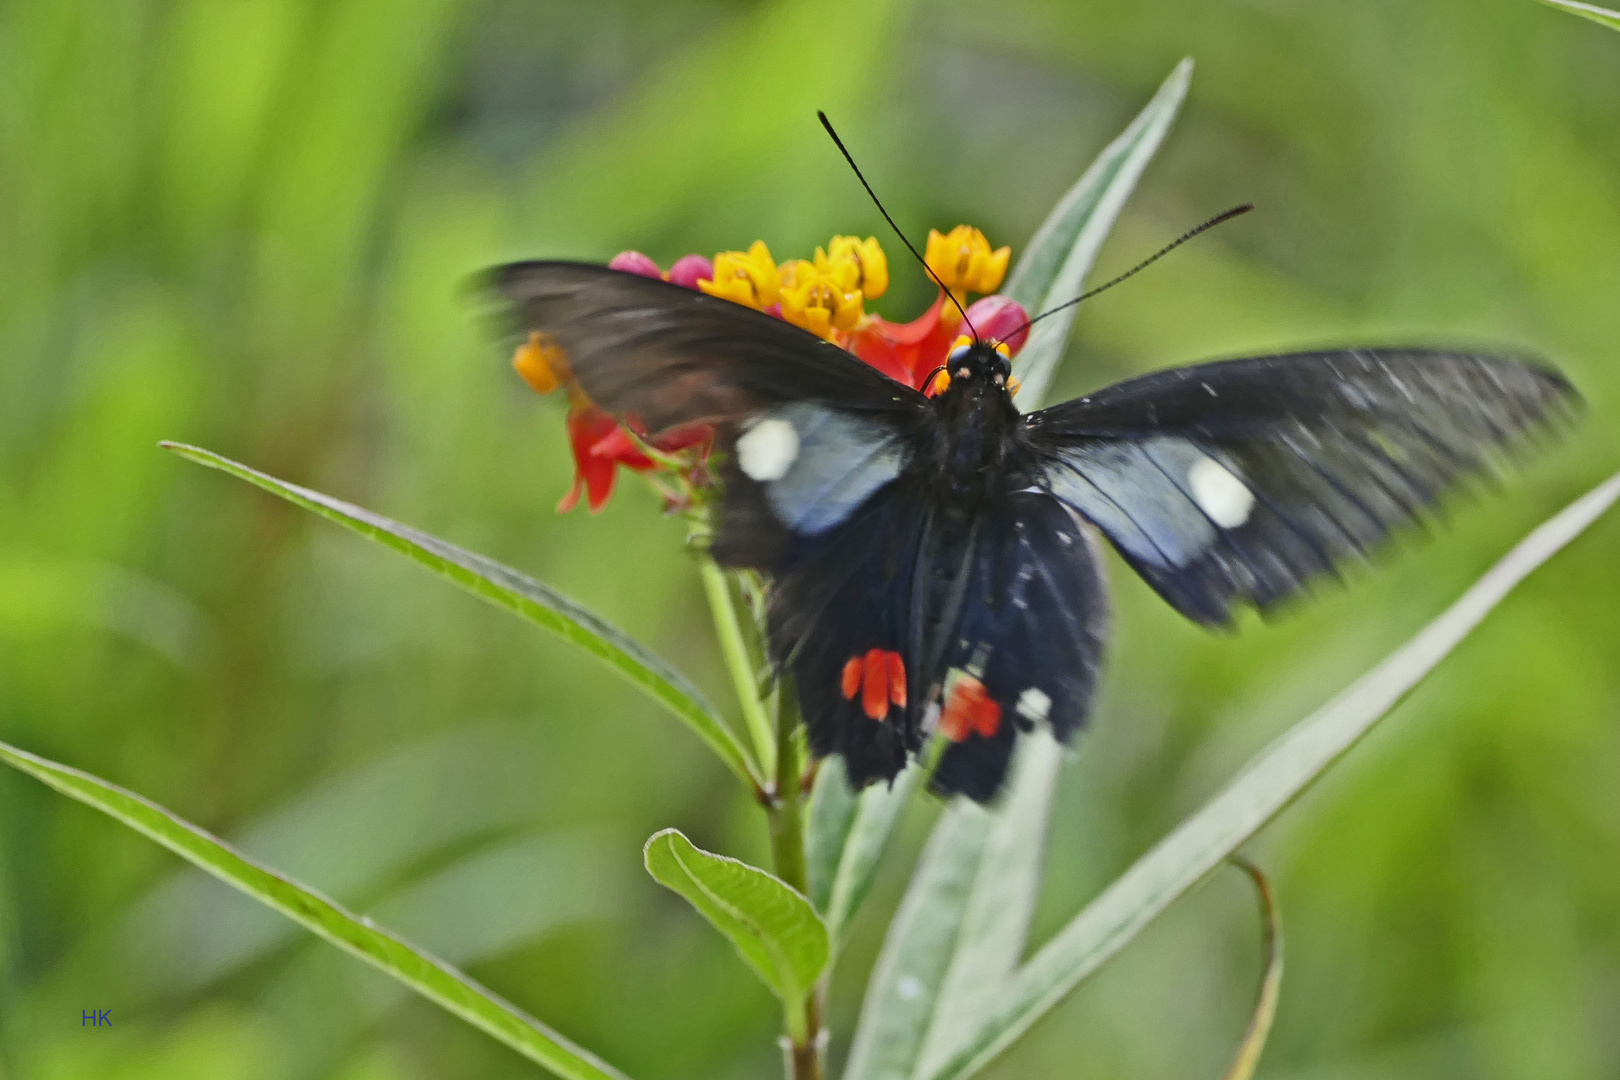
778	751
735	650
786	815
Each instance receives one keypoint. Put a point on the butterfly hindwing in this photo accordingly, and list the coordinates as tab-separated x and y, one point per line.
1027	642
841	621
1238	482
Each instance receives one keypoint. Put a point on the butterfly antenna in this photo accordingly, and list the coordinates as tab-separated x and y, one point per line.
842	149
1236	211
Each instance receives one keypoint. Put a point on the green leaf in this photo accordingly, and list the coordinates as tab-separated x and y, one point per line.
507	588
904	987
1608	18
1265	1005
846	838
1266	785
995	926
961	930
774	928
831	815
1054	266
428	976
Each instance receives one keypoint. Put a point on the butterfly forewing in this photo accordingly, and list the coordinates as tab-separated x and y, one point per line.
1240	481
670	356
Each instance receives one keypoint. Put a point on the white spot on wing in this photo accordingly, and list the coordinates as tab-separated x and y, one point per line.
768	449
1034	704
1226	499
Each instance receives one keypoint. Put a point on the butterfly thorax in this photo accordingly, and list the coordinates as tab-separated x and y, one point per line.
974	449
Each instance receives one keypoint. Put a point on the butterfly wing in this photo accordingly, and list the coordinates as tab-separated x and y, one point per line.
1237	482
811	444
844	620
1027	642
669	356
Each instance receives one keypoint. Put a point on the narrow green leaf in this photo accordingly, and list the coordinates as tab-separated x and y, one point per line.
995	927
1265	1005
1591	11
423	973
877	809
1266	785
828	820
905	982
507	588
774	928
962	927
1054	266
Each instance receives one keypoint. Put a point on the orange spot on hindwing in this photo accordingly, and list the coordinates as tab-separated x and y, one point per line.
875	690
969	708
852	678
879	677
897	680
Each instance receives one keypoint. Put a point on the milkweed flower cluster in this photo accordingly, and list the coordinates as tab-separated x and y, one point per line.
826	295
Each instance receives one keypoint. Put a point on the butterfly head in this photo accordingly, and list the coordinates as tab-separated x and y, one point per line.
978	363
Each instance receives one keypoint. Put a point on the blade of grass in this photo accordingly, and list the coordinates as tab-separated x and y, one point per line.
877	809
418	970
507	588
1265	1005
1267	784
1608	18
904	987
1006	884
1054	266
961	929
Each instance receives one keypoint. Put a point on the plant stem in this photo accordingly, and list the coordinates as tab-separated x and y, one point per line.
778	753
785	813
786	810
735	650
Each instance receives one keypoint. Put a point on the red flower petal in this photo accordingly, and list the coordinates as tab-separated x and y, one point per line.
907	352
682	437
588	426
618	447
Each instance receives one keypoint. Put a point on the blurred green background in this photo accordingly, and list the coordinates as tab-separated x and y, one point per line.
248	224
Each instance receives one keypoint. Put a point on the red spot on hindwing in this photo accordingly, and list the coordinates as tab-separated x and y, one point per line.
852	678
969	708
897	680
879	677
875	690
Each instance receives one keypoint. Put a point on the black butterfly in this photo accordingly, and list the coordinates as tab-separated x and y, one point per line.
933	561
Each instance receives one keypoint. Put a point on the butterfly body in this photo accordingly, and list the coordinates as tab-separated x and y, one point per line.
934	563
975	449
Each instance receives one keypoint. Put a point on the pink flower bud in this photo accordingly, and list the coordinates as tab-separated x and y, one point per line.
634	262
996	317
689	270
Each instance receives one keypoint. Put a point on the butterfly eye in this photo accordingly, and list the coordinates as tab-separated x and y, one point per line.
959	348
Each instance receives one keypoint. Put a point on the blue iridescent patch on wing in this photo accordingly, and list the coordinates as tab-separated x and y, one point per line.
818	465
